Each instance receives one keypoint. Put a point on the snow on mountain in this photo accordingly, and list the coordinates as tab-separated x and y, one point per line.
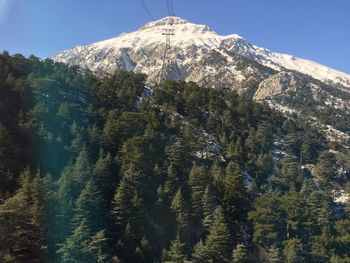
293	86
142	51
308	67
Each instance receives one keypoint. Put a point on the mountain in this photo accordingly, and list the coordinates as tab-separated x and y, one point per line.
192	44
197	53
105	170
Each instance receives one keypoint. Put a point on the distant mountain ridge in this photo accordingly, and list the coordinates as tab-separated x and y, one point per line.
129	51
289	84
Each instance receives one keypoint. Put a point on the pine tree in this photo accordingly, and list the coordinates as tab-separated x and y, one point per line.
208	203
320	246
321	211
337	259
251	145
200	253
218	174
122	205
98	246
296	211
75	247
176	153
90	207
173	180
326	166
293	251
7	148
264	137
22	234
74	177
180	209
217	244
234	203
128	200
197	181
267	218
274	254
103	172
290	175
230	152
240	254
342	238
264	167
239	150
176	251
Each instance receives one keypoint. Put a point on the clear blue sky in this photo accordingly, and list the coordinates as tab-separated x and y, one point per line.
314	29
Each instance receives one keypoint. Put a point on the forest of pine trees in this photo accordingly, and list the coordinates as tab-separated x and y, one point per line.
93	170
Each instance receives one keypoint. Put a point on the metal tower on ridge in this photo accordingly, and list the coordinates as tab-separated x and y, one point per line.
168	33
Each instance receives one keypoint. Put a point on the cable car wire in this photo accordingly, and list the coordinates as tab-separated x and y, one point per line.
148	12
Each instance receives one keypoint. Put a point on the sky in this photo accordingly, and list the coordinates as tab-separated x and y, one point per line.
318	30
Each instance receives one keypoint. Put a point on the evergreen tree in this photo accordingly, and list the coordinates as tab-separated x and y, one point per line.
274	254
7	148
173	180
234	202
321	211
293	251
117	181
240	254
267	218
296	211
90	207
22	234
326	166
290	174
98	246
320	246
251	145
103	172
127	204
176	251
75	249
197	181
208	205
342	238
180	209
239	150
218	174
217	244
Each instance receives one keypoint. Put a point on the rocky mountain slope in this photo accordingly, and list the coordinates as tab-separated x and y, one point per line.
199	54
192	46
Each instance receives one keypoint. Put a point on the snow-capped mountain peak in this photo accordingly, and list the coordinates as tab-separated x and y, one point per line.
166	21
191	46
185	34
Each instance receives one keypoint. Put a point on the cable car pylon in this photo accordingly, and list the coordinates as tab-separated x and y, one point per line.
168	33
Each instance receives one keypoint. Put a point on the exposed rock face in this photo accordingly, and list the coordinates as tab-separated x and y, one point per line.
277	84
197	53
291	85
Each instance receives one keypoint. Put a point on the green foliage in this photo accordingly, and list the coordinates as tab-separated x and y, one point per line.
274	254
176	252
198	180
216	247
21	219
234	202
325	168
166	180
267	218
293	251
240	254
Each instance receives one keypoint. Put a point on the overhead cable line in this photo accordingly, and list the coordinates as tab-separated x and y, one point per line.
170	7
148	12
168	33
